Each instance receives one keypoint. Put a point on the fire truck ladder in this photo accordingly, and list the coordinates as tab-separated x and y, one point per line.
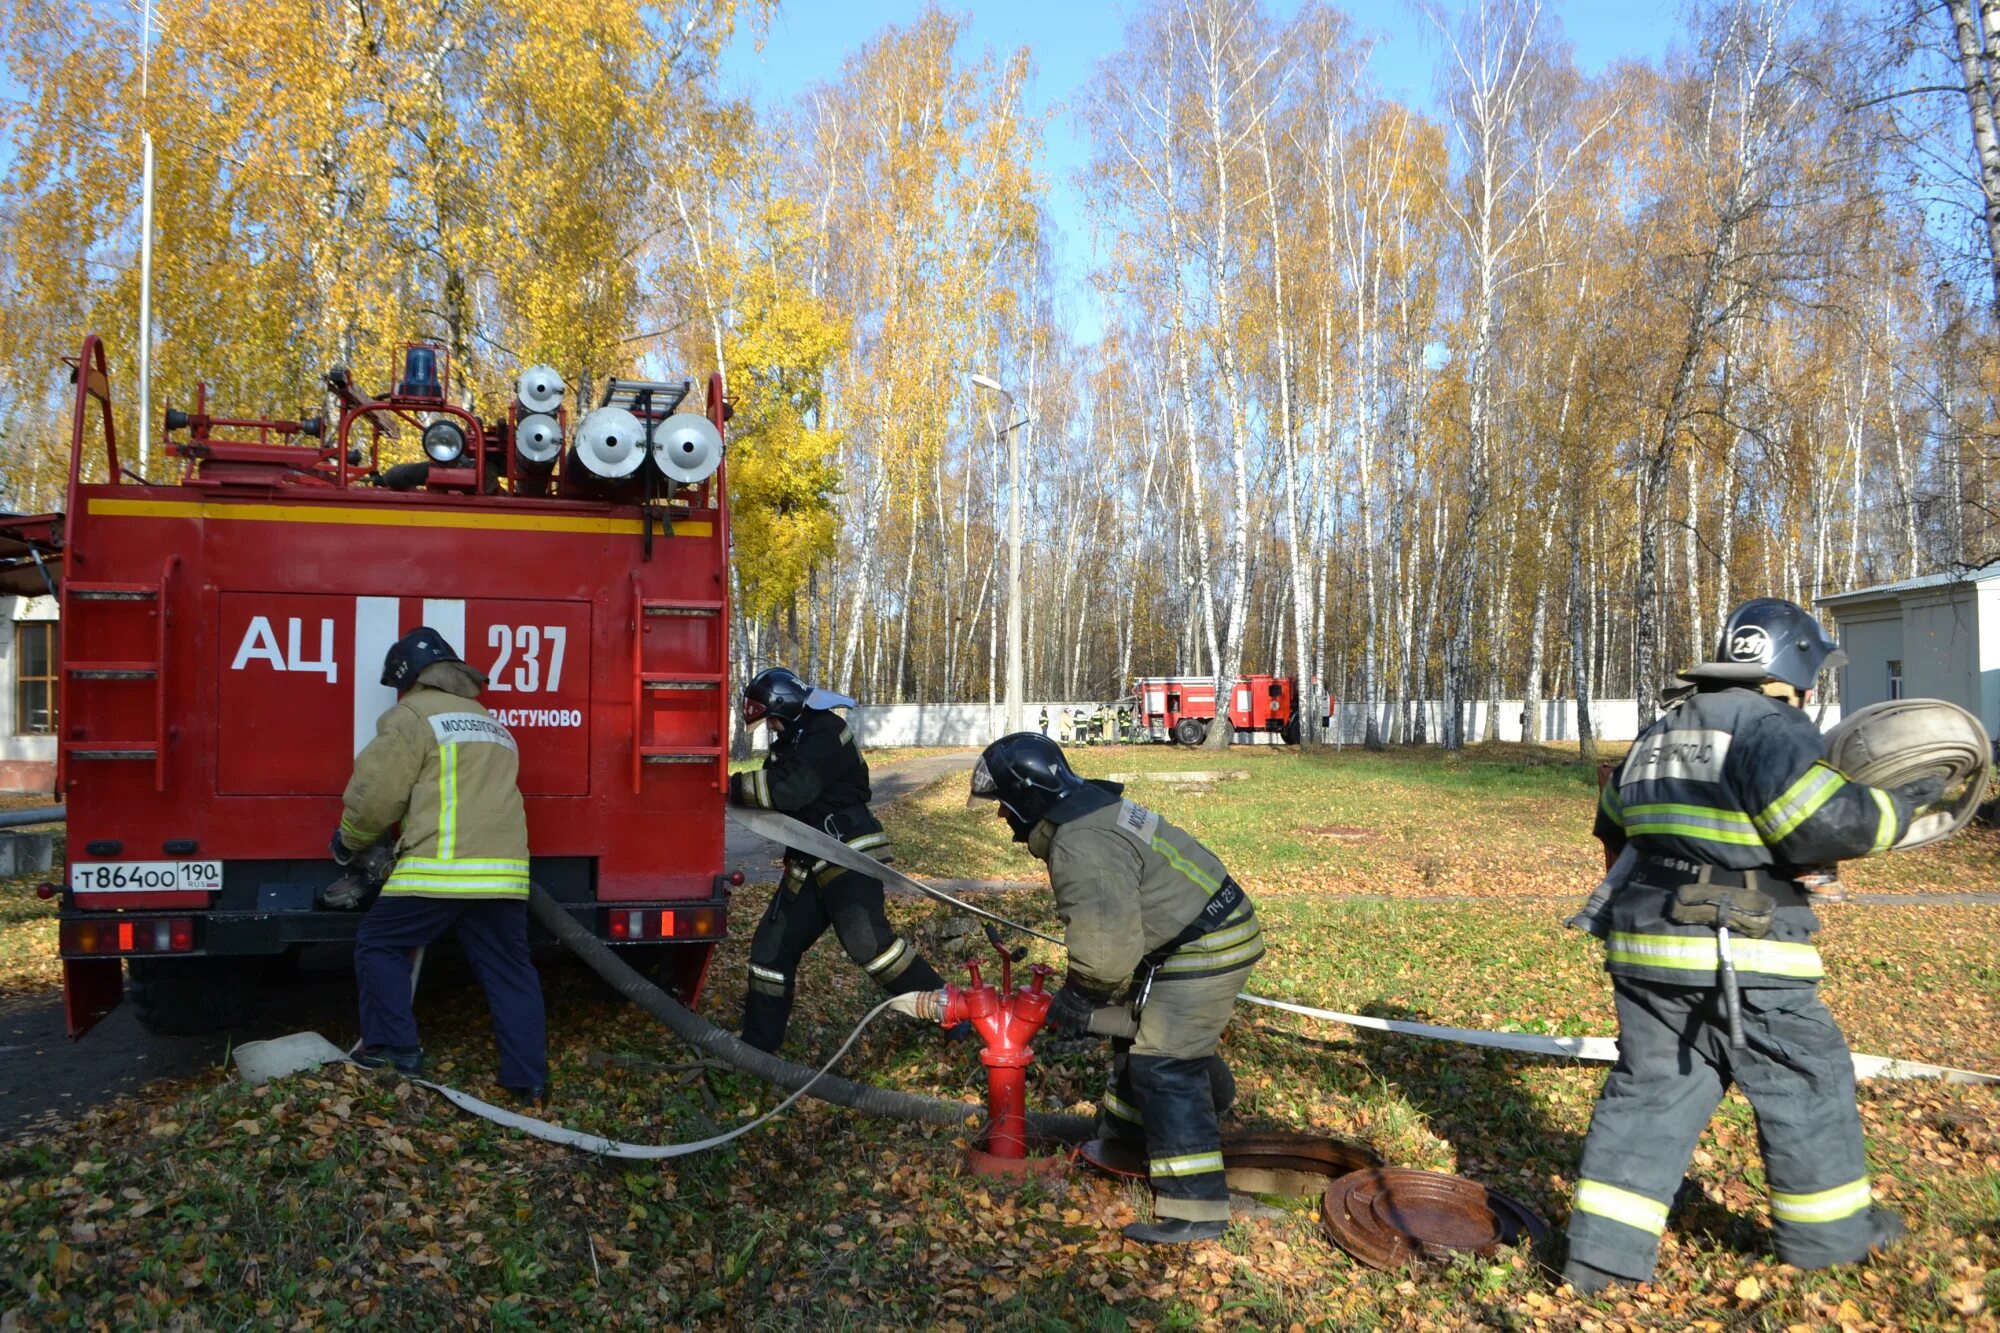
645	682
126	597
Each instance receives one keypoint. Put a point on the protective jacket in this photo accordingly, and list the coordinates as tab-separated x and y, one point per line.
1129	886
1732	780
446	771
815	773
1126	883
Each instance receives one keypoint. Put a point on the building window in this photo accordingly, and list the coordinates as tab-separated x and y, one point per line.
1896	679
35	677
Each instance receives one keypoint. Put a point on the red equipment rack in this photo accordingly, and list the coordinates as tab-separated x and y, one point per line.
223	640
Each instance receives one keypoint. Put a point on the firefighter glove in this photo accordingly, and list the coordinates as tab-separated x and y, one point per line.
1074	1004
342	853
346	893
1921	792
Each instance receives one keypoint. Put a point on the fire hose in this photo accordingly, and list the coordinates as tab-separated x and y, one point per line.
791	833
262	1060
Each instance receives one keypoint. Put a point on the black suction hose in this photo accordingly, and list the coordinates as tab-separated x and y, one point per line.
705	1036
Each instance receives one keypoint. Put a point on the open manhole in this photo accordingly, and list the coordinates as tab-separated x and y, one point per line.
1294	1164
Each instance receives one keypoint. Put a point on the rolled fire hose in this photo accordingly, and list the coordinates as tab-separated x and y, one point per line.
1901	740
790	832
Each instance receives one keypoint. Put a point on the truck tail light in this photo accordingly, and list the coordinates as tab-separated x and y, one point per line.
128	935
632	924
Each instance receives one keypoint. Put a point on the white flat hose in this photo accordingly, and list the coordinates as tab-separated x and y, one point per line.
259	1061
791	833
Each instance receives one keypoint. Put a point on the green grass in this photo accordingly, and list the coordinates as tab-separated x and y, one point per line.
337	1200
1499	820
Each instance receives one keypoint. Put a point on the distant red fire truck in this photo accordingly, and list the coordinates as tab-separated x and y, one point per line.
1182	708
224	630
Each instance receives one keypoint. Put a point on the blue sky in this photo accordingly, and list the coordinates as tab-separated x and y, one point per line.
808	39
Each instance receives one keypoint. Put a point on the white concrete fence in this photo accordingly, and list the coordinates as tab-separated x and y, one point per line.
975	724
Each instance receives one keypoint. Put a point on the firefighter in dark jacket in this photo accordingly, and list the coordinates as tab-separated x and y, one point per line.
814	772
443	774
1153	923
1709	946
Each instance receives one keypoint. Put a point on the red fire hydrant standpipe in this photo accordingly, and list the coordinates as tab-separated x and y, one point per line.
1007	1022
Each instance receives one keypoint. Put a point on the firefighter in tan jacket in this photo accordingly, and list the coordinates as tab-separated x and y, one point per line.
443	771
1158	930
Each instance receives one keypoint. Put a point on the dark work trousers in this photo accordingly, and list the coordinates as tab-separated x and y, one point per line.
494	932
1674	1065
1169	1088
800	911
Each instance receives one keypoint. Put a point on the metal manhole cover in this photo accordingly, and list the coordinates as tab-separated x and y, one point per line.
1389	1217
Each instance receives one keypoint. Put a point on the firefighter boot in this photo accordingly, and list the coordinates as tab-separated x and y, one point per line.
403	1059
1589	1280
1174	1231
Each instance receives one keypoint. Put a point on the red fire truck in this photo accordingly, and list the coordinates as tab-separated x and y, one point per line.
1182	708
224	633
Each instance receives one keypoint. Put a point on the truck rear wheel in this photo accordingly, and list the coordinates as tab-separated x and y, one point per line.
1189	731
176	997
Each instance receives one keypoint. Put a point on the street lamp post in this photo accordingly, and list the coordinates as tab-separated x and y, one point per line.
1014	722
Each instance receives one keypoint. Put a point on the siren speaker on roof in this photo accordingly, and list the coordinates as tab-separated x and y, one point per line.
537	440
611	443
687	448
540	389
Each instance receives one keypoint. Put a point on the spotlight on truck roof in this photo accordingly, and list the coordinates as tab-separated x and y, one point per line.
611	443
444	441
537	440
540	389
687	448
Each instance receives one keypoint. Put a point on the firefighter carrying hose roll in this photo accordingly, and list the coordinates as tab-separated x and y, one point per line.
1154	924
446	772
1721	800
814	772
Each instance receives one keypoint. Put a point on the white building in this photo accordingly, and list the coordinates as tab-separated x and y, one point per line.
30	658
1935	637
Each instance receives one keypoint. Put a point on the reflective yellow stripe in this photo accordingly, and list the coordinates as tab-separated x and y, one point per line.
436	865
1190	1164
1186	867
1217	940
760	782
766	973
1815	787
1834	1205
1698	953
868	842
356	838
1885	831
1634	1210
483	887
886	957
1608	802
1704	822
384	517
1124	1110
1209	962
447	801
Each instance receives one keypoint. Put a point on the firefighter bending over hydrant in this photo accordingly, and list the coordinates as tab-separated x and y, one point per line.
1709	946
815	773
443	769
1143	903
